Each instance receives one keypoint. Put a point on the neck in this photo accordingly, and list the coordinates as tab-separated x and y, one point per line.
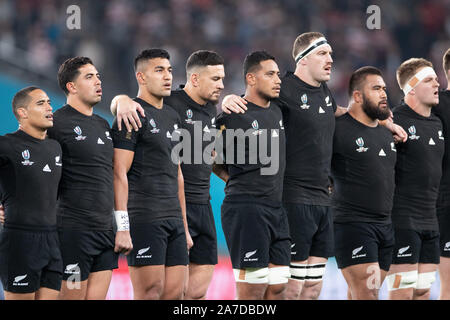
37	133
255	98
193	94
420	108
157	102
79	105
357	112
303	75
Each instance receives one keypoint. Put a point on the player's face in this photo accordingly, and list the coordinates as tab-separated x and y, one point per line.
158	77
211	82
319	63
427	90
375	98
268	82
89	85
38	113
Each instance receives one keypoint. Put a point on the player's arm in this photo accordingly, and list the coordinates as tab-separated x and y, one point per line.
233	103
122	163
182	199
221	171
126	110
2	214
397	131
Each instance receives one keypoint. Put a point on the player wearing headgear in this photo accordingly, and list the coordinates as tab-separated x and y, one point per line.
417	176
362	168
30	170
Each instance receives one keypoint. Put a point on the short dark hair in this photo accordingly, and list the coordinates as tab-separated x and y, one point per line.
359	76
203	58
252	61
446	62
150	54
22	99
69	70
409	68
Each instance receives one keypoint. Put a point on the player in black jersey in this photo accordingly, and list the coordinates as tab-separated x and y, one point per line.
148	184
195	104
417	176
442	110
30	170
309	116
253	220
362	169
85	203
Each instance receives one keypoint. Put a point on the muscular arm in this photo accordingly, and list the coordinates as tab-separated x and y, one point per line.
126	109
182	199
122	163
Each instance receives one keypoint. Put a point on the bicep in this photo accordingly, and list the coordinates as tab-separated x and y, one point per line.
122	160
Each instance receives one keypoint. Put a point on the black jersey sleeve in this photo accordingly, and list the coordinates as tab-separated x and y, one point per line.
124	139
4	146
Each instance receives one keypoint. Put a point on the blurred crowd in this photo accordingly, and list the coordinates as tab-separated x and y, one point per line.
113	32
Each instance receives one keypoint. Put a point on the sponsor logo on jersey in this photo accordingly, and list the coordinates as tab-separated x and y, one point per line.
431	142
100	141
412	131
248	255
17	280
360	144
79	133
382	153
206	129
140	254
321	110
255	126
401	252
26	157
304	104
47	168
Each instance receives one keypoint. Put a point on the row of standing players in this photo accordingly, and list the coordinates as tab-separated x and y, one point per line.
278	227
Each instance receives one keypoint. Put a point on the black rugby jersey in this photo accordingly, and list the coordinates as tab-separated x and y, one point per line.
265	127
363	171
198	120
153	176
86	193
418	170
30	170
442	110
310	121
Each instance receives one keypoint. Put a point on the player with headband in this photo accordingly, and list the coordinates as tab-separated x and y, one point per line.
417	176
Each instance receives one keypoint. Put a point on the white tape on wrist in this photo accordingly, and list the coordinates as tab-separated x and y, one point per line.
122	221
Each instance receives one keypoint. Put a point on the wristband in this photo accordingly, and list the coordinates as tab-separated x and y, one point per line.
122	221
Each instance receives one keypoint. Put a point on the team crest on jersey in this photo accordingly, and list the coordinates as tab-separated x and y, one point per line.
393	147
328	102
304	99
189	115
281	124
360	144
58	161
26	157
168	135
440	135
108	136
213	122
79	133
255	126
153	124
412	132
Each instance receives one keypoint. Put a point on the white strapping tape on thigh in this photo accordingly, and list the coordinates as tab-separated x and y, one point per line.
425	280
252	275
315	272
298	271
402	280
279	275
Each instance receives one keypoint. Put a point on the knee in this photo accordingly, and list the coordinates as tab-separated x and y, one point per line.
311	290
151	292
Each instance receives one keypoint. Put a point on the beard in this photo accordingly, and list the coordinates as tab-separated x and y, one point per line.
374	111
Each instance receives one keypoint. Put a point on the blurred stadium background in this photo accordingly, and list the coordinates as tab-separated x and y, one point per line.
34	40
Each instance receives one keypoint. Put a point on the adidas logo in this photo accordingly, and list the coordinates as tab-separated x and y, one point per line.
274	134
47	168
321	110
206	129
356	251
250	254
401	252
382	153
141	252
100	141
431	142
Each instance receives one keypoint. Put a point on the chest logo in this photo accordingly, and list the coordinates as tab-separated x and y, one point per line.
108	136
79	133
431	142
26	157
360	144
382	153
412	131
153	124
328	102
393	147
440	135
58	161
304	99
189	115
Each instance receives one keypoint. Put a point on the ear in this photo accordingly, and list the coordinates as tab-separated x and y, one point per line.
250	79
195	79
22	112
140	77
70	86
357	96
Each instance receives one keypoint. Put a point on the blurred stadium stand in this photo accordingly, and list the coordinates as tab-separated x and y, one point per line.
34	40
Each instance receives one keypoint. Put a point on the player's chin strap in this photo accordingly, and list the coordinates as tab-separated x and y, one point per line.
315	44
415	79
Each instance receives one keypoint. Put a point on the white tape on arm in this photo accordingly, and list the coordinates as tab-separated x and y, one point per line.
122	221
